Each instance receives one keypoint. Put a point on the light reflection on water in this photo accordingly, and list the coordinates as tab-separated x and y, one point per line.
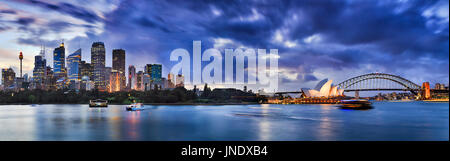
388	121
326	129
264	124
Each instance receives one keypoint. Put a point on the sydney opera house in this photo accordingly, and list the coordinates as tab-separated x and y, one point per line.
324	88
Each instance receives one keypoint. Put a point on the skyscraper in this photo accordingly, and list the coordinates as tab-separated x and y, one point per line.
180	80
8	77
115	81
86	69
146	79
98	63
59	65
25	77
39	70
140	81
154	70
108	71
50	80
132	77
118	64
73	64
171	80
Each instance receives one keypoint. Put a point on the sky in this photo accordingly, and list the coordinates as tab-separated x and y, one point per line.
315	39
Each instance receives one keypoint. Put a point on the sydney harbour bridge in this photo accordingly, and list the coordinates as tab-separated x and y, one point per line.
377	82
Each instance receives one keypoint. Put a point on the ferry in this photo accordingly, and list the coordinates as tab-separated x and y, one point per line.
356	104
98	103
135	107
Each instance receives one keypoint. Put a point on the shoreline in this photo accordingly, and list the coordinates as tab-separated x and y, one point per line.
154	104
209	104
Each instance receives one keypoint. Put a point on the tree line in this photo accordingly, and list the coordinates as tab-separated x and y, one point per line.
176	95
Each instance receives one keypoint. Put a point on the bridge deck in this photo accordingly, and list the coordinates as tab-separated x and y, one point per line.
382	89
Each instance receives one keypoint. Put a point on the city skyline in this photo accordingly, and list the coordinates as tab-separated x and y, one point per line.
117	67
332	40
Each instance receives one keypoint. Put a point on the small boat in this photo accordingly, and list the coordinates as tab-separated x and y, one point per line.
357	104
98	103
135	107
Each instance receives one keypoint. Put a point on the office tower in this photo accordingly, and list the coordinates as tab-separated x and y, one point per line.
132	77
50	80
98	63
59	65
154	70
115	81
118	64
164	83
146	79
86	83
73	64
171	80
108	71
25	77
180	80
8	77
140	81
62	83
86	69
39	70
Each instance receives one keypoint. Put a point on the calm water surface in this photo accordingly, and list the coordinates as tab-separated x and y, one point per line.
388	121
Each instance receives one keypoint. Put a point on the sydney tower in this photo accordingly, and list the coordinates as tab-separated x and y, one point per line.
20	58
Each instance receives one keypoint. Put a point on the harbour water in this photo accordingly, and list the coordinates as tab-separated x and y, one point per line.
387	121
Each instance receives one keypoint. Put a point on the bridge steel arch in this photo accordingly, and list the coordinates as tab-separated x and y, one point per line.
407	84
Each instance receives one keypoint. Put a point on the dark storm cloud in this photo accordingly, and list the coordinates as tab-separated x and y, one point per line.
374	22
66	8
145	22
252	33
310	77
4	28
385	34
37	42
7	11
25	21
61	26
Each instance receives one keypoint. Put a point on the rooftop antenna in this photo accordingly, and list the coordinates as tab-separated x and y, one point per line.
43	53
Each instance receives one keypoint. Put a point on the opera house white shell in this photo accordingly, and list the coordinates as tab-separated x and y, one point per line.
324	88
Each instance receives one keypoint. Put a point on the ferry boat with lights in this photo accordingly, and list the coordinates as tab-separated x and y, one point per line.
135	107
98	103
356	104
